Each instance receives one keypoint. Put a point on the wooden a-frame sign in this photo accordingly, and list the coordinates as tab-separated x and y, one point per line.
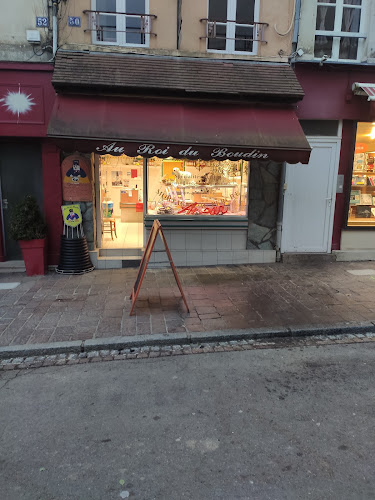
155	230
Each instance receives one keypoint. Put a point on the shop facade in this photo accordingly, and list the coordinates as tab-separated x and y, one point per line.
208	169
29	162
338	110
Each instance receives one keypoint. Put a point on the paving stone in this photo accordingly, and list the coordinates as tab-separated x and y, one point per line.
154	354
16	361
119	357
8	367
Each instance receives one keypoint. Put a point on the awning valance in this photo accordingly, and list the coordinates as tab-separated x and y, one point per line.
365	89
116	125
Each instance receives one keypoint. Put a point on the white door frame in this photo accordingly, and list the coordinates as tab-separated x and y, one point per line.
331	199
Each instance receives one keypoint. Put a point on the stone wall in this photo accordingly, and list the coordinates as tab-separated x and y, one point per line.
264	189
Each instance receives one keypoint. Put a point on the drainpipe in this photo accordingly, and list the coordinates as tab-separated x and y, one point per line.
296	25
54	27
280	212
179	21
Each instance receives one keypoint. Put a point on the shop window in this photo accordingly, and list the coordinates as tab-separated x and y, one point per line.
197	188
232	25
339	30
362	193
120	22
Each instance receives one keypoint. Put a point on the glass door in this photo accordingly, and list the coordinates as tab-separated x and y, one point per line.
121	201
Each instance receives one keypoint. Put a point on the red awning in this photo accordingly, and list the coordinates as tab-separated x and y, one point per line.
365	89
191	130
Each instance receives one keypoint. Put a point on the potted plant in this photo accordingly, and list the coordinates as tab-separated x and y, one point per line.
27	226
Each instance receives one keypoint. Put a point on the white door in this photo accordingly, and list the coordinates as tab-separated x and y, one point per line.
309	199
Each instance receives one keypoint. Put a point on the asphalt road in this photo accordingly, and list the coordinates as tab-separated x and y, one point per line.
292	423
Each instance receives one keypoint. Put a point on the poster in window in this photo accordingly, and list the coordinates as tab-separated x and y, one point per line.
363	211
76	178
355	197
366	199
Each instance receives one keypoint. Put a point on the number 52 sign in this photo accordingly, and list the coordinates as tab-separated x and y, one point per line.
42	22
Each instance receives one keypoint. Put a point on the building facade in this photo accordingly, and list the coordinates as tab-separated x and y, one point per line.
334	62
185	112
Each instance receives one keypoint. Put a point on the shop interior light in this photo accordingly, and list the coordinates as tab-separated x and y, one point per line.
372	133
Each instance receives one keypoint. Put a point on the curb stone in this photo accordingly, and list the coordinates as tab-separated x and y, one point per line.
174	350
135	343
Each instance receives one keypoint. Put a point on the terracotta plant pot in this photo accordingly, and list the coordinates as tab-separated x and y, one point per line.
34	254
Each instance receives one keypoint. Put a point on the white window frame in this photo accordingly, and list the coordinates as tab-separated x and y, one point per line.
231	29
337	34
121	25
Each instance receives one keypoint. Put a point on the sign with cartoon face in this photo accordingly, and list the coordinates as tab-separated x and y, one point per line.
76	178
72	215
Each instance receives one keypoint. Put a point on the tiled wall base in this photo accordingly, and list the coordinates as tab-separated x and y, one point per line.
194	248
195	258
354	255
213	257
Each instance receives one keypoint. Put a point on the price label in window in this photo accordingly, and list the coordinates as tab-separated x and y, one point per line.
74	22
42	22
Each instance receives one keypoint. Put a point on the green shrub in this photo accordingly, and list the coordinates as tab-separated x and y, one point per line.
26	221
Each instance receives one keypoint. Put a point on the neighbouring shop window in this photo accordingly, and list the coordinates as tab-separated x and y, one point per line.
120	22
338	33
234	25
362	194
186	188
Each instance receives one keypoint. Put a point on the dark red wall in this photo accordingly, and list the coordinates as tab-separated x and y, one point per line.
34	79
345	168
329	96
52	199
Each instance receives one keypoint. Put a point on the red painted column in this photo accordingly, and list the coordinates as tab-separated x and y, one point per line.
2	242
52	199
345	165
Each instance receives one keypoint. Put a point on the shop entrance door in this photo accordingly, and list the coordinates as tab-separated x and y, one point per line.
309	199
20	175
121	203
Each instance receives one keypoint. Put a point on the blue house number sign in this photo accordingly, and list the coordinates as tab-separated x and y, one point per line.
42	22
74	22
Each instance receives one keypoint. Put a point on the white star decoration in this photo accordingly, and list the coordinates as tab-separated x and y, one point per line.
17	103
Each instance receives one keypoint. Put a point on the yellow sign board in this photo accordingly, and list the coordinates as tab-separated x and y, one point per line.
72	215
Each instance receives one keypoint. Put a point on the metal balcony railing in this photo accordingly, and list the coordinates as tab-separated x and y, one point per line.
107	24
211	30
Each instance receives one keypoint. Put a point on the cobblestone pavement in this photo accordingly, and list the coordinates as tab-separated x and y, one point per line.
148	352
57	308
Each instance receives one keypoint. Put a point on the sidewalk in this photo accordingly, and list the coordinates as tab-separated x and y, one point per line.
57	308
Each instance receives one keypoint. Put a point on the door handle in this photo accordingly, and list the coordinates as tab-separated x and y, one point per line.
5	204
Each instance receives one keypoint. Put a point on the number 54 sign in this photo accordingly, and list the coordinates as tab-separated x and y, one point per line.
74	22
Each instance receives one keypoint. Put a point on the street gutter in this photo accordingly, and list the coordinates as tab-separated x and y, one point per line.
126	342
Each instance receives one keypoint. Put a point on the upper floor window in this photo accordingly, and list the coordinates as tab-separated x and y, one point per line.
338	29
121	22
232	26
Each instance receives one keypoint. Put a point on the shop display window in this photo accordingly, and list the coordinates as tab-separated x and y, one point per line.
197	187
362	194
